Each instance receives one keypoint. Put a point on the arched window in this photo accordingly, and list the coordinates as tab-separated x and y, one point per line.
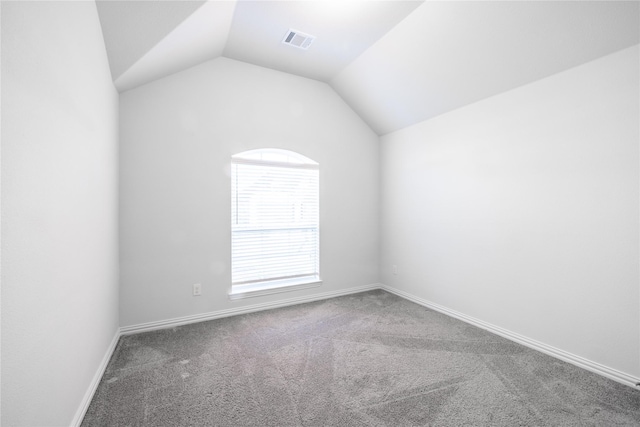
274	222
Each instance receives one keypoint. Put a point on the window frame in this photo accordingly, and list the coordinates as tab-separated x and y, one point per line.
282	160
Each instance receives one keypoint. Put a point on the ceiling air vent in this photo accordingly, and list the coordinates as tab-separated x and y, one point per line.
297	39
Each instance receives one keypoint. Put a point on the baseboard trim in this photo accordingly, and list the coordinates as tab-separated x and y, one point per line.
573	359
178	321
84	405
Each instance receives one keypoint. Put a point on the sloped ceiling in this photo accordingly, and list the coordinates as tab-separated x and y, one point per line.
131	28
449	54
395	62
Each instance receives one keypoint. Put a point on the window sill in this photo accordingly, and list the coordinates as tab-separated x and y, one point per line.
274	287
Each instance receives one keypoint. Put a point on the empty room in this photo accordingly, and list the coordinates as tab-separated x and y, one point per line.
320	213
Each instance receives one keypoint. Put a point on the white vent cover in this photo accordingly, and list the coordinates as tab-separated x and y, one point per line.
298	39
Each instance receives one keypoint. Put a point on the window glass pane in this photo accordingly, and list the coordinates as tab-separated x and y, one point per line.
274	155
274	218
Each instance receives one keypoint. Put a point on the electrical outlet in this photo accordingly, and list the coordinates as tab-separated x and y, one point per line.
395	269
197	290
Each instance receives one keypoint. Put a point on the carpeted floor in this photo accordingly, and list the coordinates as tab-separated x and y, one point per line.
369	359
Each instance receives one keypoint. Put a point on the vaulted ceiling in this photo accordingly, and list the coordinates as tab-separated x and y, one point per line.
395	62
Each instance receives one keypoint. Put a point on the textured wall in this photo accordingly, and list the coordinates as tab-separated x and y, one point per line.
59	214
177	136
522	211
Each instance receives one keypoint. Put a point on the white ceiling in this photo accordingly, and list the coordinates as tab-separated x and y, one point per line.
343	30
200	37
395	63
449	54
131	28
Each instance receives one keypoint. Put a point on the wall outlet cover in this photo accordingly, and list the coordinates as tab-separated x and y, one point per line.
197	289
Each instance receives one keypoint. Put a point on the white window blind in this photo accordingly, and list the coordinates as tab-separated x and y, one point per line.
274	217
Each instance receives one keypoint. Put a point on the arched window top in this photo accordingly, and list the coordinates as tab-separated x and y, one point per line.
274	156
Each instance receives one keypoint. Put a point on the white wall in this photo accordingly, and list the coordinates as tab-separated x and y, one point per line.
522	211
59	214
177	136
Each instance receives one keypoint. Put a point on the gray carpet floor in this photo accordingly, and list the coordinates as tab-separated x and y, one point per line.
369	359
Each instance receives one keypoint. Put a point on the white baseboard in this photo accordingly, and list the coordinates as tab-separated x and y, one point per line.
150	326
573	359
84	405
